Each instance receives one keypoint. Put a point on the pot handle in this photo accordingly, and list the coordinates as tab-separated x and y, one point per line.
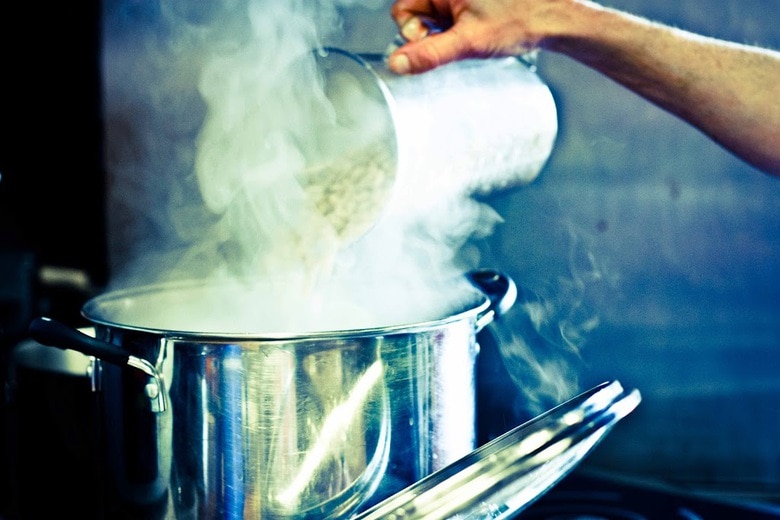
49	332
500	289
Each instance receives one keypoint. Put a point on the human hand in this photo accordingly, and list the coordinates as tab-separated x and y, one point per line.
442	31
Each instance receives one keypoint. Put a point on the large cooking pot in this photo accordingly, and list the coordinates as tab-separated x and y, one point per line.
205	417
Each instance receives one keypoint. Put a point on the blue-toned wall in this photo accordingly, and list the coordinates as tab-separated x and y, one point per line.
674	246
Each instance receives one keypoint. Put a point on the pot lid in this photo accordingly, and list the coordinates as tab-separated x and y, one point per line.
508	474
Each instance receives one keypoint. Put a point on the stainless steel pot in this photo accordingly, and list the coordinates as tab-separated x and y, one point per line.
203	423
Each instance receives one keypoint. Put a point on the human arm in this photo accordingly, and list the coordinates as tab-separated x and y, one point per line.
727	90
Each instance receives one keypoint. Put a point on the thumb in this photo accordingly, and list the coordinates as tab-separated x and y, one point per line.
426	54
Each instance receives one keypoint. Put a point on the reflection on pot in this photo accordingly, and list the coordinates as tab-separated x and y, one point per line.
285	431
310	425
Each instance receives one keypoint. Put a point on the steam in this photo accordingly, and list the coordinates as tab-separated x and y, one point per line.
213	113
266	118
541	352
541	340
211	116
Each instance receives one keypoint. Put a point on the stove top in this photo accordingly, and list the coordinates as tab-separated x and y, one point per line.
587	496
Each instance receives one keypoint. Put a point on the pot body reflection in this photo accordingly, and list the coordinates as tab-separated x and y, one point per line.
314	426
304	428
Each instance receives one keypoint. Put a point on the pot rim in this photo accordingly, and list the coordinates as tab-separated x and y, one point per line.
97	310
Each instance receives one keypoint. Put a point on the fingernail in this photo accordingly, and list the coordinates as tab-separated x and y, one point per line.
399	64
414	29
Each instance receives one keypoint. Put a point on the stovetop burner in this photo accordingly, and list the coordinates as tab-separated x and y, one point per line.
585	496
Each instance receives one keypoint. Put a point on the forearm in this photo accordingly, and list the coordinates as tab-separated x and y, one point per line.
730	92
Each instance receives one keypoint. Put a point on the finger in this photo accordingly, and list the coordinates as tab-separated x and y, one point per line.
414	29
403	10
428	53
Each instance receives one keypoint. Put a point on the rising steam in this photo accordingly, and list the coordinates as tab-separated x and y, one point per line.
215	111
212	110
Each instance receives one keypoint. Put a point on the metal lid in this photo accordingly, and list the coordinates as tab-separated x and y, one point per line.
509	473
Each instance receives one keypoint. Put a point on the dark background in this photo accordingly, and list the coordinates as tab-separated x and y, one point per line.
53	182
52	220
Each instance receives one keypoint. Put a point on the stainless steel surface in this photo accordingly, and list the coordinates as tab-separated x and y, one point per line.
506	475
304	425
